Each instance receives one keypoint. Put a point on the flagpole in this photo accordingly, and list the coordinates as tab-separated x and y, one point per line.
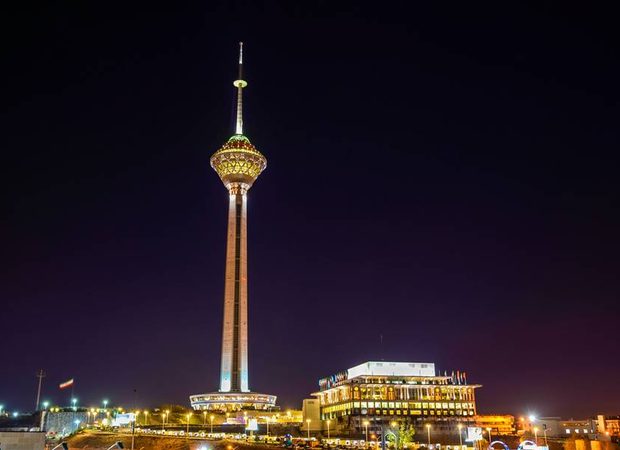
40	376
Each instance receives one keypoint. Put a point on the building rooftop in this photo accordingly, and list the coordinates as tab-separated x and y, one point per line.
385	368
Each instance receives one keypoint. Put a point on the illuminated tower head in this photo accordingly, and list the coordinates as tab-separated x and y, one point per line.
238	162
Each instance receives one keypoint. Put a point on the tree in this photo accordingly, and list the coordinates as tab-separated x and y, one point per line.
402	436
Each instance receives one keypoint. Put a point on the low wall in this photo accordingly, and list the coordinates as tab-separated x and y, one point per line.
22	440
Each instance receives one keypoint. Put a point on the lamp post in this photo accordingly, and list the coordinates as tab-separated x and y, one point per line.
545	435
328	422
189	415
428	430
146	418
163	420
394	424
204	419
460	427
365	423
308	425
211	417
536	436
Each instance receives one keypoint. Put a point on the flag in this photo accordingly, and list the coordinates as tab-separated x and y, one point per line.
66	384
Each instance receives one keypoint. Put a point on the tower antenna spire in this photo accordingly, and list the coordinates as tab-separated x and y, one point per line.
240	83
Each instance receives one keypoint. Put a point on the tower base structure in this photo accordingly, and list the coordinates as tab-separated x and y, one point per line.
233	401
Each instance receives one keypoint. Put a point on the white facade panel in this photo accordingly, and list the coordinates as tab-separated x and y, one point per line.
385	368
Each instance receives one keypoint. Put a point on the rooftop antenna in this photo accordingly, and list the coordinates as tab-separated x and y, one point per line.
240	83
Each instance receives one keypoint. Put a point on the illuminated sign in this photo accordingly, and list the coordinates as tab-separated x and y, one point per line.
474	434
252	425
123	419
328	382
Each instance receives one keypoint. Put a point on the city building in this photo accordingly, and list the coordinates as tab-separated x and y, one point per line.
369	396
557	427
238	164
609	425
499	425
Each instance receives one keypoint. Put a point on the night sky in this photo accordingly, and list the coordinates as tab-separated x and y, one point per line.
442	174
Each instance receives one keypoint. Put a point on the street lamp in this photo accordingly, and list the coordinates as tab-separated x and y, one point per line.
365	423
460	427
211	417
146	418
428	430
163	420
189	415
74	403
394	424
536	436
328	422
45	405
308	424
204	419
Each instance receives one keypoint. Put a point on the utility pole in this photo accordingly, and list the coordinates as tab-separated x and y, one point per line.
40	376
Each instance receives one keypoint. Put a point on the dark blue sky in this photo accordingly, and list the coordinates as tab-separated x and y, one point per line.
444	175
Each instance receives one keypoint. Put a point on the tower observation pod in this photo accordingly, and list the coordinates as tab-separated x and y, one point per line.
238	164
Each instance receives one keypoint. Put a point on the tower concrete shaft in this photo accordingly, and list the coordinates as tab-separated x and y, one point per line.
234	369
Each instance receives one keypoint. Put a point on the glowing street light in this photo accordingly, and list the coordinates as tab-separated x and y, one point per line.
163	420
211	417
189	416
394	425
146	417
74	403
308	424
45	405
428	430
460	427
366	423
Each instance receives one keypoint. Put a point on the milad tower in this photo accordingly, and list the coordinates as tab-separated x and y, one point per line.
238	163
